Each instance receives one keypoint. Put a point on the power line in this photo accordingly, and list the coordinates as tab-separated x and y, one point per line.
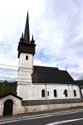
4	68
8	65
9	72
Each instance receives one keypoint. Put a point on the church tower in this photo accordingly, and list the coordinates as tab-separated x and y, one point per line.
26	50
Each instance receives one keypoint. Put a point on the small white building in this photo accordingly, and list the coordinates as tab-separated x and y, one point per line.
39	88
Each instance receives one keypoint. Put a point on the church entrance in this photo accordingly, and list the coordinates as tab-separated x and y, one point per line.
8	107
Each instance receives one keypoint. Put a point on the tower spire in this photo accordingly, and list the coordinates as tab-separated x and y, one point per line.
22	37
26	32
33	41
25	45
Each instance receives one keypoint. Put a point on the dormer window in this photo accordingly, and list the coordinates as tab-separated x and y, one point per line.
26	57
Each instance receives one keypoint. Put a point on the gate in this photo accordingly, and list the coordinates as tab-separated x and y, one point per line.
8	107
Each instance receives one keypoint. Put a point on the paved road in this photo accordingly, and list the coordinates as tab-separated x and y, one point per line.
71	117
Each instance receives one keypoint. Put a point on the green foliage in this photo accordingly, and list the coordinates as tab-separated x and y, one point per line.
7	87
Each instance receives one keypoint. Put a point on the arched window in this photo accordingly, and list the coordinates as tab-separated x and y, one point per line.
43	93
74	91
55	93
65	93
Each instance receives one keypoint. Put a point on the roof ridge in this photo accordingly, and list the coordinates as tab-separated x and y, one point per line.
46	66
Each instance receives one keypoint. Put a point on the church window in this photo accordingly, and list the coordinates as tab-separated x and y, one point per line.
26	57
43	93
55	93
48	93
65	93
74	92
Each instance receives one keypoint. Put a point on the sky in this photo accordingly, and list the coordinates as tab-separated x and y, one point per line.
57	27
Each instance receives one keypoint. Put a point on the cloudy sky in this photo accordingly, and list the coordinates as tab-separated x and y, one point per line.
57	26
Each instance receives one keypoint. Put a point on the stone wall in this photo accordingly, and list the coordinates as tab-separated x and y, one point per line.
38	108
19	107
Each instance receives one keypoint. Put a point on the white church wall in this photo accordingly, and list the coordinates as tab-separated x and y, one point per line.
25	91
49	88
36	92
75	87
26	63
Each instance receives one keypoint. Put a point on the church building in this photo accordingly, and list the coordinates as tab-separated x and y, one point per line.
39	88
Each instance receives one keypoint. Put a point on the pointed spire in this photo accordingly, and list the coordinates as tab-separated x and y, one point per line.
26	32
32	41
22	37
32	38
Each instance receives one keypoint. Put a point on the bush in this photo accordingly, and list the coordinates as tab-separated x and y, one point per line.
7	87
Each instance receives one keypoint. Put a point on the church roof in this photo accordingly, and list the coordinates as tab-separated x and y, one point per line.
43	74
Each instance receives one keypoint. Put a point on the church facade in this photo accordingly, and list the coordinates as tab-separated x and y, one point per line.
39	88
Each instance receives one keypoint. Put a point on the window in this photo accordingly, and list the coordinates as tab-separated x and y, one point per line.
26	57
74	92
43	93
65	93
55	93
48	93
